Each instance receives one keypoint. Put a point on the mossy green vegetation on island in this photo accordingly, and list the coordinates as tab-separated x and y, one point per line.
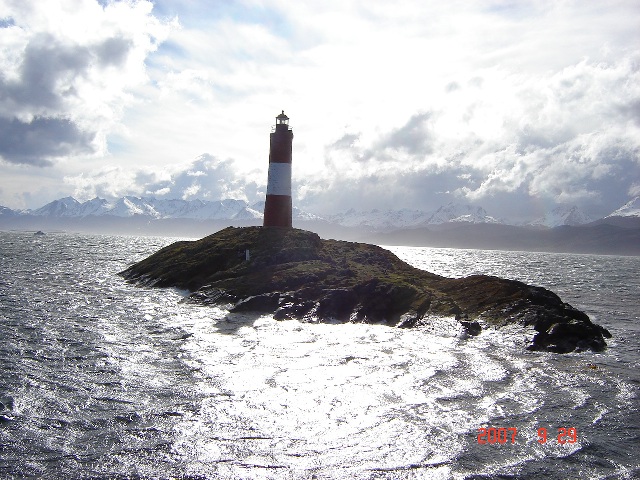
294	274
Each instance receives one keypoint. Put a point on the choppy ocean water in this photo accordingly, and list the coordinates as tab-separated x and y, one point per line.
100	379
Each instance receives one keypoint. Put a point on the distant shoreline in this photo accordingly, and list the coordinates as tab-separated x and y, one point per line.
597	238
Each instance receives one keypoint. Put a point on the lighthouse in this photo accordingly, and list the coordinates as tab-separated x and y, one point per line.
277	208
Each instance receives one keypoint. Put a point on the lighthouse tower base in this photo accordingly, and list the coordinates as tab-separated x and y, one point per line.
277	211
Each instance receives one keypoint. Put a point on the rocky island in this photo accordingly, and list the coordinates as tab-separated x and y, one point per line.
294	274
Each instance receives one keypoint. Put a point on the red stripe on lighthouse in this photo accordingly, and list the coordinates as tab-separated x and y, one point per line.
278	205
277	211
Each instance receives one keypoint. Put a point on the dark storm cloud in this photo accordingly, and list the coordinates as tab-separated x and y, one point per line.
35	143
50	67
414	138
623	172
45	83
46	66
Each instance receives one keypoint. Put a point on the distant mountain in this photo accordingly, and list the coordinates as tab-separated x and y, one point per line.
130	206
242	212
454	212
563	215
629	209
627	216
64	207
380	220
452	225
600	239
372	220
7	212
387	220
254	211
97	206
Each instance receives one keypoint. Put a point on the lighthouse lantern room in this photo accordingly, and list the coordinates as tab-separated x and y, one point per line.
277	207
282	119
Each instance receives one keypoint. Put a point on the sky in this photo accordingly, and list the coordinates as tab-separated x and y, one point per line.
515	106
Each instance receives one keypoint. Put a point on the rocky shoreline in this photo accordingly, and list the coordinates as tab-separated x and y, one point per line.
294	274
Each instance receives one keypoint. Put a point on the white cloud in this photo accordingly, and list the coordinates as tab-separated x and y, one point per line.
390	103
109	181
566	137
205	177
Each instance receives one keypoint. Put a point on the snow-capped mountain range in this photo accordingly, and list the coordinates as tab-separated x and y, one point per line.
397	219
231	209
563	215
130	206
629	209
461	213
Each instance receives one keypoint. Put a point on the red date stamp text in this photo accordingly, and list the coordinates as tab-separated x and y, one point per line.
502	435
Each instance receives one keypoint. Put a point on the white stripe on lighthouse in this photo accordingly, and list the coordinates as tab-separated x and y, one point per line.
279	179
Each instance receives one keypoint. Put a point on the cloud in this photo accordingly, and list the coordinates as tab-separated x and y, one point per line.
393	105
498	139
109	181
67	72
206	177
45	77
413	137
35	142
568	138
347	141
209	178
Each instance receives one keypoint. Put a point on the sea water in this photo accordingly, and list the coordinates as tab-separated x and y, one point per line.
102	379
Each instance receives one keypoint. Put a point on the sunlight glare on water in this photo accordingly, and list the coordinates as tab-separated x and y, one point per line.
334	391
107	380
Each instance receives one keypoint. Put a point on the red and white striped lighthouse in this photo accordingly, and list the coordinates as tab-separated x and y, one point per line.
277	208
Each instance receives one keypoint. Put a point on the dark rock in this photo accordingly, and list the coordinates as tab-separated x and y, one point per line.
208	296
471	328
6	404
296	275
568	336
337	304
265	303
408	321
291	310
